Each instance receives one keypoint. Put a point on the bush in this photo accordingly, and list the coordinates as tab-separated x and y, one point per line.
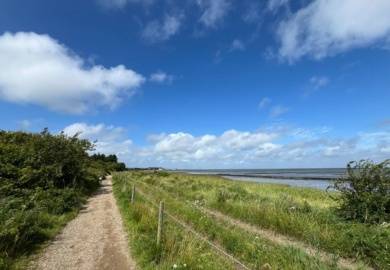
44	180
365	192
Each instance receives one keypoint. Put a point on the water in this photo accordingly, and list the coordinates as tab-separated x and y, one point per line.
318	184
311	178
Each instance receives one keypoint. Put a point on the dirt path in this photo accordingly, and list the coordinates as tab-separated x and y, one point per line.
286	241
95	239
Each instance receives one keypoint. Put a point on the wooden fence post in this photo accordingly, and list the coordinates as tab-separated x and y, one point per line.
160	222
132	194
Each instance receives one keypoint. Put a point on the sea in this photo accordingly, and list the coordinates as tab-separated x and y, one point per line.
310	178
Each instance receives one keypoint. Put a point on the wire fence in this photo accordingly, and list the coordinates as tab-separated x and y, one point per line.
194	232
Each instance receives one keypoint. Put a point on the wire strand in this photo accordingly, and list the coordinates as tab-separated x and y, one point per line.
198	235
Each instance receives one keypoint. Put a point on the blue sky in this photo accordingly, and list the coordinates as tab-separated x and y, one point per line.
202	83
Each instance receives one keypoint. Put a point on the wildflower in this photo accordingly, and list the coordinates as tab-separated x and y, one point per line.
175	266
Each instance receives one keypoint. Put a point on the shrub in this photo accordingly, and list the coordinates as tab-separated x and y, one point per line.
161	174
365	192
44	179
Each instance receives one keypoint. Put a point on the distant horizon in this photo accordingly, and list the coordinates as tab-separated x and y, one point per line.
238	169
336	168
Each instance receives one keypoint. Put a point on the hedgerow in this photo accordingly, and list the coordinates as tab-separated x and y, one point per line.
44	180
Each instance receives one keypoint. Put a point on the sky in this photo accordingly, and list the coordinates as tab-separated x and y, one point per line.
200	84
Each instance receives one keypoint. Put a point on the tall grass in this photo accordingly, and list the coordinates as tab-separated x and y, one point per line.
305	214
179	249
253	251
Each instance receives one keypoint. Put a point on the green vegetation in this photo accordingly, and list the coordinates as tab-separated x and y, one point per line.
106	163
44	180
178	248
365	192
179	192
306	215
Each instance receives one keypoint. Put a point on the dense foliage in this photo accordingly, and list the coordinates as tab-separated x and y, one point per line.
109	163
44	180
365	192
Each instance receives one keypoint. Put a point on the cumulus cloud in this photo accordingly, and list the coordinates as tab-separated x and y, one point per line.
161	77
328	27
183	147
108	139
158	31
274	146
213	12
37	69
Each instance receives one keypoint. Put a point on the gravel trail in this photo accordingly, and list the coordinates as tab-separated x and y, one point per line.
95	239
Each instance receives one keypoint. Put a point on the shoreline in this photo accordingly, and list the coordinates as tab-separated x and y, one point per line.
265	176
278	176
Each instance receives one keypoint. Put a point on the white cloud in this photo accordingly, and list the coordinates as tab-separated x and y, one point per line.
36	69
264	102
108	139
237	45
158	31
213	11
182	146
161	77
275	146
278	110
327	27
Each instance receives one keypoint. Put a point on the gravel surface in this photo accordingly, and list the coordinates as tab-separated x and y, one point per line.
95	239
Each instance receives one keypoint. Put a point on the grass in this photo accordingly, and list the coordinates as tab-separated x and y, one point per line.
178	248
55	223
27	222
252	250
304	214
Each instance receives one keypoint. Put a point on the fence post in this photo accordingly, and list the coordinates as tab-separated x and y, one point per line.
132	194
160	222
